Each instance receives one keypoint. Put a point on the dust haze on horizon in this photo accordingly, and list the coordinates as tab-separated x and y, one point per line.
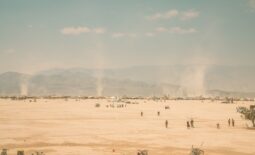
44	35
127	77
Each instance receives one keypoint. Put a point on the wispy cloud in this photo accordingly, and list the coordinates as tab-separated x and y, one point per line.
189	15
161	29
164	15
81	30
150	34
185	15
179	30
173	30
75	30
99	30
123	34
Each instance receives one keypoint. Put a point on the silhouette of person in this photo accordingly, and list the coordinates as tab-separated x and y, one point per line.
188	125
192	123
233	122
218	125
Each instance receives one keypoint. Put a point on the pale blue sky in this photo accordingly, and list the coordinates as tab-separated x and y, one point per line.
43	34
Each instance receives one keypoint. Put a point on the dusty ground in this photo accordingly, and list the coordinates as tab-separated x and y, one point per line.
78	128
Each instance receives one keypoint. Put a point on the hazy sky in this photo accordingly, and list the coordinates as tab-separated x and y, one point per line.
42	34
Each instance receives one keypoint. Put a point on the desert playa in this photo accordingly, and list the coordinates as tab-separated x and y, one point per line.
127	77
78	127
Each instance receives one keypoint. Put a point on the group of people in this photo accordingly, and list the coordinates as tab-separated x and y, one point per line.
190	124
142	113
231	122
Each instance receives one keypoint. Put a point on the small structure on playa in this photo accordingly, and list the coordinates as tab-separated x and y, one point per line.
97	105
252	107
38	153
142	152
167	107
196	151
20	153
4	152
228	101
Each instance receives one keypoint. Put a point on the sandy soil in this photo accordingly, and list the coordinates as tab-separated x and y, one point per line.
79	128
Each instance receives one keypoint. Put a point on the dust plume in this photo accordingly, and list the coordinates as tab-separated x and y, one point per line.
99	66
23	88
193	81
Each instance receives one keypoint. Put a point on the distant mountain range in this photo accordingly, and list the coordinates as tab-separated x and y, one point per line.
178	80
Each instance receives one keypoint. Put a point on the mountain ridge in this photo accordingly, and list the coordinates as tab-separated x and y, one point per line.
176	80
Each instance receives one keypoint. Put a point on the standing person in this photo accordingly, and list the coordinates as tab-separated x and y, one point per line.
188	125
233	122
166	123
141	114
158	113
229	122
192	123
218	125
